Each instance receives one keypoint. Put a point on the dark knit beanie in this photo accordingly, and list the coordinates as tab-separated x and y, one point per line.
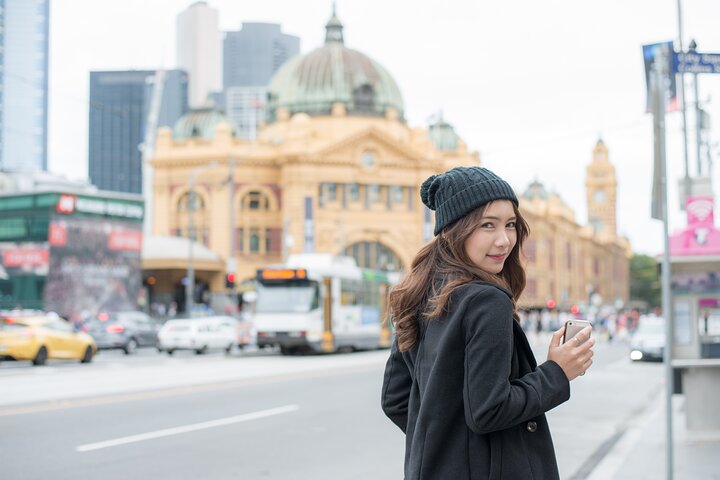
459	191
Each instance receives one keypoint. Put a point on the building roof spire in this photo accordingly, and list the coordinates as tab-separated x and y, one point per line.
334	29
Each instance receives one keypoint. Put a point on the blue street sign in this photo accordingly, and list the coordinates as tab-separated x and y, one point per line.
695	62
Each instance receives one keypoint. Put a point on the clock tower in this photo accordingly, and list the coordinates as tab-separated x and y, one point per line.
601	186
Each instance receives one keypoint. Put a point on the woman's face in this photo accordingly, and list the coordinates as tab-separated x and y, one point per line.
490	244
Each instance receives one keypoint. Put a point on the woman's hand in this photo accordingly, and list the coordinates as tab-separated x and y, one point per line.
573	356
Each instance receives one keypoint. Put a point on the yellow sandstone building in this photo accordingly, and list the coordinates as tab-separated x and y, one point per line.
336	169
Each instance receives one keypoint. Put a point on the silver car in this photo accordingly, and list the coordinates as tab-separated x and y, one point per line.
126	331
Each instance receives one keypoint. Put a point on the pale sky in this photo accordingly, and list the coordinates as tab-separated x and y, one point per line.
529	84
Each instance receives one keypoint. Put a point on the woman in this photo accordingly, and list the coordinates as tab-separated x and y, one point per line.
461	381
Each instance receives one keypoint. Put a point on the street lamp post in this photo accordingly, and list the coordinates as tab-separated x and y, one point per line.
190	286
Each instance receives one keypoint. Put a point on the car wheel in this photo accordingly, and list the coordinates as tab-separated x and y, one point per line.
130	347
171	351
228	349
88	356
202	350
41	357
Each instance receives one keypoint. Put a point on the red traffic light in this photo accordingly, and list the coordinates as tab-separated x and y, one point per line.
574	309
551	303
230	277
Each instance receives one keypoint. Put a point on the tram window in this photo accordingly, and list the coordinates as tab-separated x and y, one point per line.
287	297
349	290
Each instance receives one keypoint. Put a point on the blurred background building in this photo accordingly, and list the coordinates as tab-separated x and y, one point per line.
336	170
251	56
119	106
24	27
199	51
332	168
571	264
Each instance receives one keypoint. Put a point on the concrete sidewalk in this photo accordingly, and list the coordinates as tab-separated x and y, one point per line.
640	452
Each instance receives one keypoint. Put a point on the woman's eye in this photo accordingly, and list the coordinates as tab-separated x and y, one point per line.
487	225
510	225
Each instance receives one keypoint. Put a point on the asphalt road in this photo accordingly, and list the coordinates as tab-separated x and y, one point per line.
258	416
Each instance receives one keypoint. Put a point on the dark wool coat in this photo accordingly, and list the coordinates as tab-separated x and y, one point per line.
470	397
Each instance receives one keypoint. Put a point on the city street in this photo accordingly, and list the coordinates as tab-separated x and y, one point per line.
260	415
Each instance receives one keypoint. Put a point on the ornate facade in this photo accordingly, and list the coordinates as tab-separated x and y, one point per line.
570	264
337	170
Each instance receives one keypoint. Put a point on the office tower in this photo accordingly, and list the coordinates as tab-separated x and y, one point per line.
24	27
251	56
119	106
199	44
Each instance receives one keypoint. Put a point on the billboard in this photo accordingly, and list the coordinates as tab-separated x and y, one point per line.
23	266
95	265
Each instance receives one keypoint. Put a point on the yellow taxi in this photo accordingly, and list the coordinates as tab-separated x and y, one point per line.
42	337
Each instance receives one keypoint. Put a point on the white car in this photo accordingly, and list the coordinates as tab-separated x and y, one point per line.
648	341
199	334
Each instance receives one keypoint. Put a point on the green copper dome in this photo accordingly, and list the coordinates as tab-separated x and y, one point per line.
312	83
201	122
443	135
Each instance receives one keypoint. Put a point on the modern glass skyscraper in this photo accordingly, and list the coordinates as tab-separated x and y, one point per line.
24	28
251	56
119	106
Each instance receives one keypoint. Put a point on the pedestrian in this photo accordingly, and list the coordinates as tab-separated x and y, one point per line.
461	381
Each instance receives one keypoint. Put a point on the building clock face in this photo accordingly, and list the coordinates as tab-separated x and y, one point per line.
367	159
599	196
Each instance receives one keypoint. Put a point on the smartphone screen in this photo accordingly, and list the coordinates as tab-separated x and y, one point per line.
573	327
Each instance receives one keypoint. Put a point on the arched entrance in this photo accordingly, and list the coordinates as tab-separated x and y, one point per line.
376	256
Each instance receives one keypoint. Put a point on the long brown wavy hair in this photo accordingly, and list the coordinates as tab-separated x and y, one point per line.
443	265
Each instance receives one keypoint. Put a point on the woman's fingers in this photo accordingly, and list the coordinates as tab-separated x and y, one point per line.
557	337
583	334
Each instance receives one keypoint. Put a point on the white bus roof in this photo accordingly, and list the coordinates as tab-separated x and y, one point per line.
320	265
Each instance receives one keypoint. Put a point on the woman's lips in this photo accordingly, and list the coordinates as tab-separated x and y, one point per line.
497	258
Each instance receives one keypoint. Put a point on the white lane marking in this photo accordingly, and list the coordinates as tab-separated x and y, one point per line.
186	428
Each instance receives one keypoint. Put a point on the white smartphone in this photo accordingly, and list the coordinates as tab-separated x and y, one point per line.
573	327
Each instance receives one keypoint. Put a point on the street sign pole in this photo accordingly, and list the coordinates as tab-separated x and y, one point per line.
660	73
686	181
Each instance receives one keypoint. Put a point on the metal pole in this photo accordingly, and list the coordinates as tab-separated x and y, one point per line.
698	124
190	287
285	240
684	111
659	91
231	266
231	190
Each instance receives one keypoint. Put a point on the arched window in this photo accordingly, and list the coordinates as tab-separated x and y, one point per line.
190	201
374	255
255	200
191	204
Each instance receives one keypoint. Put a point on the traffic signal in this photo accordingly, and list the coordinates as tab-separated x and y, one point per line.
551	304
230	280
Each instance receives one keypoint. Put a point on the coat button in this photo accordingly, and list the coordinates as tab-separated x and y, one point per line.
531	426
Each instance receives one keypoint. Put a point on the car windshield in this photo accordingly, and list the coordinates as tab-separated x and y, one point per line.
284	298
651	327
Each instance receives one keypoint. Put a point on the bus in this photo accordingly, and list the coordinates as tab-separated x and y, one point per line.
321	303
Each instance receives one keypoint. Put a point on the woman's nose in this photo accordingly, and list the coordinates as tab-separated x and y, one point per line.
502	239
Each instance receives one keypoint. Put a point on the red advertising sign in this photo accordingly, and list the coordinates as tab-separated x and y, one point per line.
57	235
66	204
31	257
131	241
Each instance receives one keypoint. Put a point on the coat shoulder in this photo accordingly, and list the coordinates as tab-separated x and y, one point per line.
488	291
